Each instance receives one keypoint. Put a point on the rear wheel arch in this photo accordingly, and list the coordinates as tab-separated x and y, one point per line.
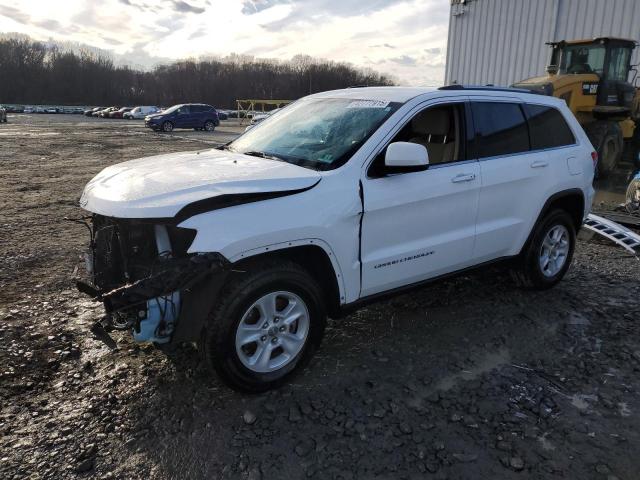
571	201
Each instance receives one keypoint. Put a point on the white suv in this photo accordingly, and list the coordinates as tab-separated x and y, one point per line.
337	199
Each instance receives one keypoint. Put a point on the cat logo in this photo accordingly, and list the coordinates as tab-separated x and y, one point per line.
589	88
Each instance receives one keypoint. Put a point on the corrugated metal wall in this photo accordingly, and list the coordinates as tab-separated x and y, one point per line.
503	41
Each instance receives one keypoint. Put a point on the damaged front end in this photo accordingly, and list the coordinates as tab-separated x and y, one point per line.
141	271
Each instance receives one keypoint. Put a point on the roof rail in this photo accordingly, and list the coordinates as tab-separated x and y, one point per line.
489	87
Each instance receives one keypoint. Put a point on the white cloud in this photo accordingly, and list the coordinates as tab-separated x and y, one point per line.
403	38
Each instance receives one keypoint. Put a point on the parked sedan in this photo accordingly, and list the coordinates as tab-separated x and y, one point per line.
119	113
198	116
105	113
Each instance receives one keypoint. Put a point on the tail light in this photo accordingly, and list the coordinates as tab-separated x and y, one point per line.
594	157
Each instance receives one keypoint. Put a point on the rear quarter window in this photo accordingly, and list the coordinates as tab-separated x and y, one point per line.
501	129
547	127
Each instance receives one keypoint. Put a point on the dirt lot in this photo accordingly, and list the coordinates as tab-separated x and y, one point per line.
469	378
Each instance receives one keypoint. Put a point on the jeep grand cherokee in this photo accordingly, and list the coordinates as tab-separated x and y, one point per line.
340	198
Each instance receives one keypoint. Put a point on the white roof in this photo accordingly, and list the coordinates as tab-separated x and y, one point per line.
404	94
386	94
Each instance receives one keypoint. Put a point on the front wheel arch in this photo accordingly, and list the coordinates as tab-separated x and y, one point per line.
313	256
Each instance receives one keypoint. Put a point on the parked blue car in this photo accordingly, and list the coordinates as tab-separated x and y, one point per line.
198	116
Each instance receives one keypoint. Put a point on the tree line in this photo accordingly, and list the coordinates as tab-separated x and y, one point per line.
32	72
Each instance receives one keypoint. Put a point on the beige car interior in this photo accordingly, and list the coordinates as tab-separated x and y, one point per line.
436	129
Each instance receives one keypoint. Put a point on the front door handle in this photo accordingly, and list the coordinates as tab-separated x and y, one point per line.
539	164
464	177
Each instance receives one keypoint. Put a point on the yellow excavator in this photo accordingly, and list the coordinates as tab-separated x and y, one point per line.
592	76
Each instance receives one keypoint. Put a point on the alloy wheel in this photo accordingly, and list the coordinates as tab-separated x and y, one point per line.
272	332
554	250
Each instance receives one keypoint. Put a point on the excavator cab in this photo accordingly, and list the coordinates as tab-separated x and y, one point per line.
607	58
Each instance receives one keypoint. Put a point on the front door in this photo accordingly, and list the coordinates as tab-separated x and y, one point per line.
420	225
183	117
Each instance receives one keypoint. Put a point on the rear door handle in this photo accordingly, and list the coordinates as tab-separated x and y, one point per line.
464	177
539	164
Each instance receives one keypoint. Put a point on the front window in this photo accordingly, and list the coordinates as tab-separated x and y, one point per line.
321	134
582	59
173	109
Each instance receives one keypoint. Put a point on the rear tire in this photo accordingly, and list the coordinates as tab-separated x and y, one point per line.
547	257
606	138
242	325
209	125
167	127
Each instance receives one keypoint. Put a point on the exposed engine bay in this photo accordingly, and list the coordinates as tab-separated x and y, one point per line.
139	270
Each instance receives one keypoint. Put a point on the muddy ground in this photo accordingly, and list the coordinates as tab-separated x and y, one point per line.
468	378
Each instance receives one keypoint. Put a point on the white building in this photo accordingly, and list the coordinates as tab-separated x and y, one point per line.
502	41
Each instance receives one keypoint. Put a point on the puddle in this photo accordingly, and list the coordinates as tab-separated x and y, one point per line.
486	364
576	318
624	409
546	444
29	134
611	190
583	402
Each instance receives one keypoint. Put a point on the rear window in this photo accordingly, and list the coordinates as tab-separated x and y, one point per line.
501	129
547	127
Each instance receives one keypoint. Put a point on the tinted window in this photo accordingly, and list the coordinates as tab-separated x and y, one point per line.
501	129
197	108
548	127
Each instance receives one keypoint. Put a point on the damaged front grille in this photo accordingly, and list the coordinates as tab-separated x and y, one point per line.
138	269
127	251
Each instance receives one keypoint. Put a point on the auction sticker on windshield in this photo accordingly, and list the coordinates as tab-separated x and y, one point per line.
367	104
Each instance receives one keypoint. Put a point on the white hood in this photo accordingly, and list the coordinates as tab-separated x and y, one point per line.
159	186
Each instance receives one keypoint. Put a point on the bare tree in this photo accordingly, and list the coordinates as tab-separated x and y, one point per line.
32	72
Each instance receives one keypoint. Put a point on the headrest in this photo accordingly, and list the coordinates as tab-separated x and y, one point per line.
435	121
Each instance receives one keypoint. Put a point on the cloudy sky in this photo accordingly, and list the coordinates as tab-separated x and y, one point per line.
404	38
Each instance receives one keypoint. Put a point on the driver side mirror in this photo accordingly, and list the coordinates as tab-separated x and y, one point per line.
404	157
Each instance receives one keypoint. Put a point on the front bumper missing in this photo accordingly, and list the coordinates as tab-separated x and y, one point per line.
167	276
152	305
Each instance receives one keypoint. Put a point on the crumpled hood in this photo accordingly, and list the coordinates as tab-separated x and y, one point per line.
160	186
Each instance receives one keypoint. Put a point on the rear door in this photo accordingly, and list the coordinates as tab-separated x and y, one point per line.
515	181
197	115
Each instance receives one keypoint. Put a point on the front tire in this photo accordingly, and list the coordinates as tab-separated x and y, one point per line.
547	257
167	127
266	326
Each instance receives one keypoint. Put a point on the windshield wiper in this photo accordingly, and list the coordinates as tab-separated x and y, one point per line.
255	153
